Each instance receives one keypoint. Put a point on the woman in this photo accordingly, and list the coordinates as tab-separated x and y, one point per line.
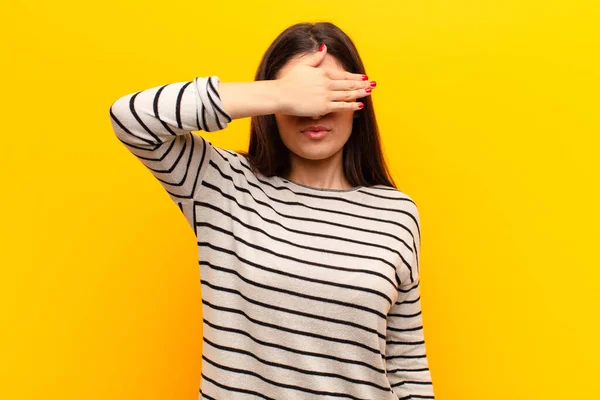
308	254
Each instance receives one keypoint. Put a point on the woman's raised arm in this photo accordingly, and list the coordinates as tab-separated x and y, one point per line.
156	126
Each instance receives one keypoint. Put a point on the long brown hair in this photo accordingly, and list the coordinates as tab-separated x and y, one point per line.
363	161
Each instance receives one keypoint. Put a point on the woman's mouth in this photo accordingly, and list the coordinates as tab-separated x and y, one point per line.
316	132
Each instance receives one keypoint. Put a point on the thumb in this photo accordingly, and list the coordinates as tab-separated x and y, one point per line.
316	59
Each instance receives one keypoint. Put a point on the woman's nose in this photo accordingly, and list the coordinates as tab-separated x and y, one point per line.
317	117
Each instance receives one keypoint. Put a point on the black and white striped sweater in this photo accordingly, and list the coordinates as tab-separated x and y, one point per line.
307	293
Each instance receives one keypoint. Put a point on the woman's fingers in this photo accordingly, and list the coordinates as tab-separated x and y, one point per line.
346	87
345	75
343	105
351	84
349	95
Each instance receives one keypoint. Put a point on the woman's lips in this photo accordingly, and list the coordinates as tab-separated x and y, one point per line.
315	134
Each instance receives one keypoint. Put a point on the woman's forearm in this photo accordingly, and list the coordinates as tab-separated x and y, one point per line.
248	99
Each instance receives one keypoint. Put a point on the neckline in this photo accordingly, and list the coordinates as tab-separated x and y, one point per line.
354	189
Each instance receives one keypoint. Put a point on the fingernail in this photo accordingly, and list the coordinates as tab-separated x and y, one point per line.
368	90
365	78
373	83
361	105
322	47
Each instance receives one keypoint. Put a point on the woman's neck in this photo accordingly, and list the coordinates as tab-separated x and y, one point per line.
327	173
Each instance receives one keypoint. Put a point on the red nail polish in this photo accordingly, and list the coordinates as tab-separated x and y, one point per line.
365	78
361	105
368	90
373	84
322	47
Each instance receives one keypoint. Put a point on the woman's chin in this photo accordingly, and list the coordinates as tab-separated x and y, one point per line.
315	152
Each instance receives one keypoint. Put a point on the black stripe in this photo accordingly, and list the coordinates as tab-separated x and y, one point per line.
155	108
139	120
214	106
405	315
411	383
197	108
204	395
405	356
204	124
216	93
408	301
234	389
416	285
178	104
391	328
408	370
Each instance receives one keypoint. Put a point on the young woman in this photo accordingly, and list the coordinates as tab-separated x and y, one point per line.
308	253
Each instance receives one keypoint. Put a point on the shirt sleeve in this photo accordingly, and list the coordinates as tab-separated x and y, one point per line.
156	126
406	359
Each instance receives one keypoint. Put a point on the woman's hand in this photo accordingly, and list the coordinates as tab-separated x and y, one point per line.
306	90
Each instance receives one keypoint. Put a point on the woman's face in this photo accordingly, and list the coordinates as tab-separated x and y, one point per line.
339	123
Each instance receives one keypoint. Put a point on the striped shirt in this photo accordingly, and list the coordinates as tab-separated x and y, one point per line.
307	293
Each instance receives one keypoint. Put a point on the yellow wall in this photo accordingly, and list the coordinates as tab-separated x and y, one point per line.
489	115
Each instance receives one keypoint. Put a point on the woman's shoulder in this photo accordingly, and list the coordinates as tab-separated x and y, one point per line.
389	198
387	193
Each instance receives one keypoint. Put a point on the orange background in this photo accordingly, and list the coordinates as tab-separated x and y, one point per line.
489	116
